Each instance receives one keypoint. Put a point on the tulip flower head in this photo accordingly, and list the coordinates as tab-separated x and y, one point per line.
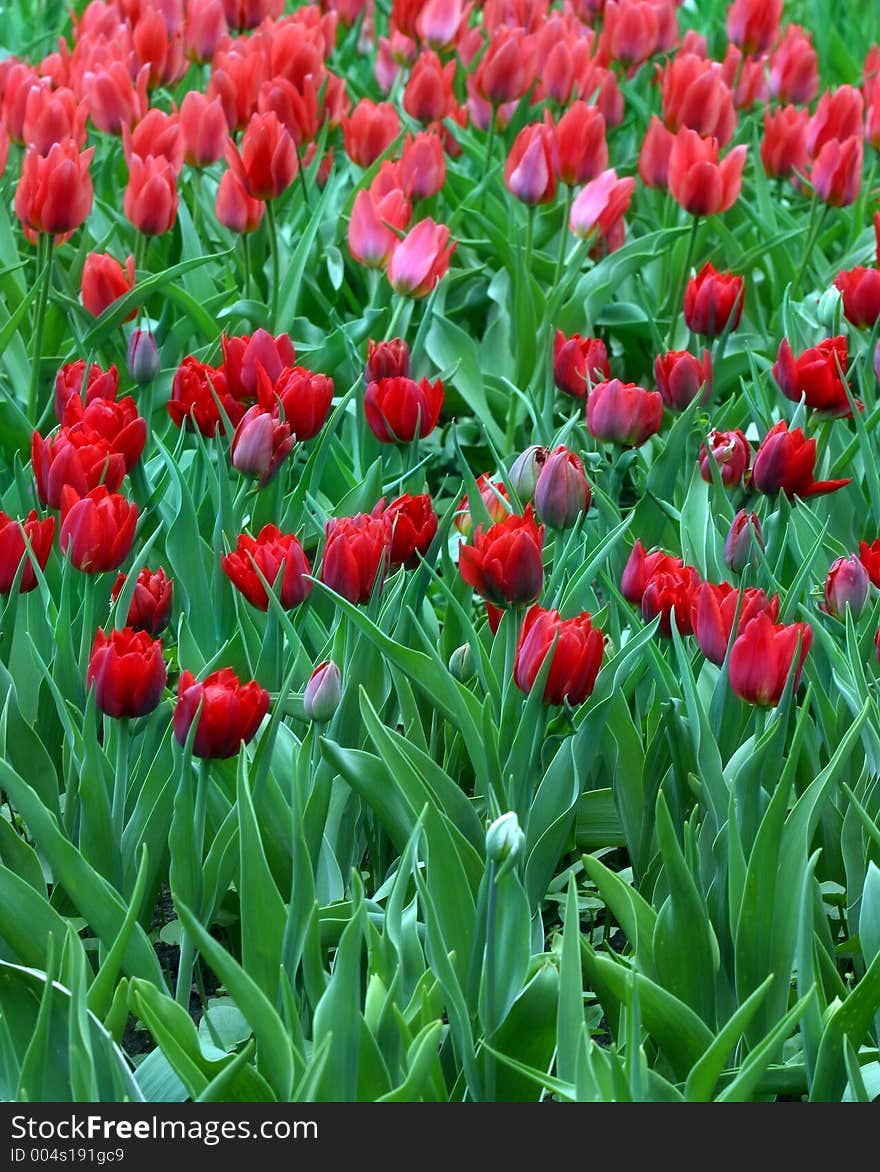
20	541
127	671
762	657
229	712
504	564
272	553
576	656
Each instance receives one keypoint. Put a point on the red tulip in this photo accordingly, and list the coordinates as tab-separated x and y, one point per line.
260	444
356	555
387	360
784	151
579	363
97	530
413	525
51	116
72	379
694	95
713	609
243	357
711	300
601	205
128	672
529	173
204	30
702	185
372	238
562	493
204	130
150	200
839	116
581	152
13	550
505	70
846	585
623	413
739	547
104	281
817	375
76	456
229	712
762	656
399	410
680	377
193	392
304	398
861	298
754	24
117	420
836	173
370	131
633	30
266	164
234	207
422	165
495	499
667	591
420	259
116	102
505	565
55	193
158	47
150	606
577	655
273	553
732	453
157	134
641	567
654	154
429	95
786	461
794	68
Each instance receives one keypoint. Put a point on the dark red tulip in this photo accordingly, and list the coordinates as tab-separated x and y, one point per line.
13	550
128	672
680	377
562	493
104	281
117	420
869	556
762	656
623	413
142	358
357	555
577	655
193	401
72	380
75	456
713	610
817	375
387	360
861	297
641	567
505	565
303	398
413	527
668	590
243	356
399	410
579	363
150	606
711	300
272	553
739	546
97	530
231	712
786	461
260	445
847	585
732	452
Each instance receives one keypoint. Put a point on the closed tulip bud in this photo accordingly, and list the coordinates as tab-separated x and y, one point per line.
786	461
828	309
529	174
423	165
420	259
681	378
357	554
245	355
836	173
13	550
323	693
713	610
461	663
579	363
698	181
505	841
204	29
762	657
371	236
104	281
235	209
846	585
54	192
97	530
732	453
229	712
273	553
387	360
150	200
754	24
817	375
128	672
794	67
505	565
429	95
562	494
266	165
623	413
116	101
784	151
581	153
304	398
631	31
505	69
260	445
413	525
526	469
143	357
839	116
150	606
204	129
400	410
654	154
742	542
577	655
711	300
369	131
157	134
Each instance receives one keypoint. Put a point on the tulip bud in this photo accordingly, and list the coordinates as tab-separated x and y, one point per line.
461	663
562	493
143	357
739	547
828	311
847	585
323	693
504	841
526	469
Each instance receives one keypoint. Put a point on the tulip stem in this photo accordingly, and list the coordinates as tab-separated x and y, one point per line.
187	947
246	250
120	789
491	906
300	168
682	282
45	246
487	163
273	245
530	232
814	227
563	237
